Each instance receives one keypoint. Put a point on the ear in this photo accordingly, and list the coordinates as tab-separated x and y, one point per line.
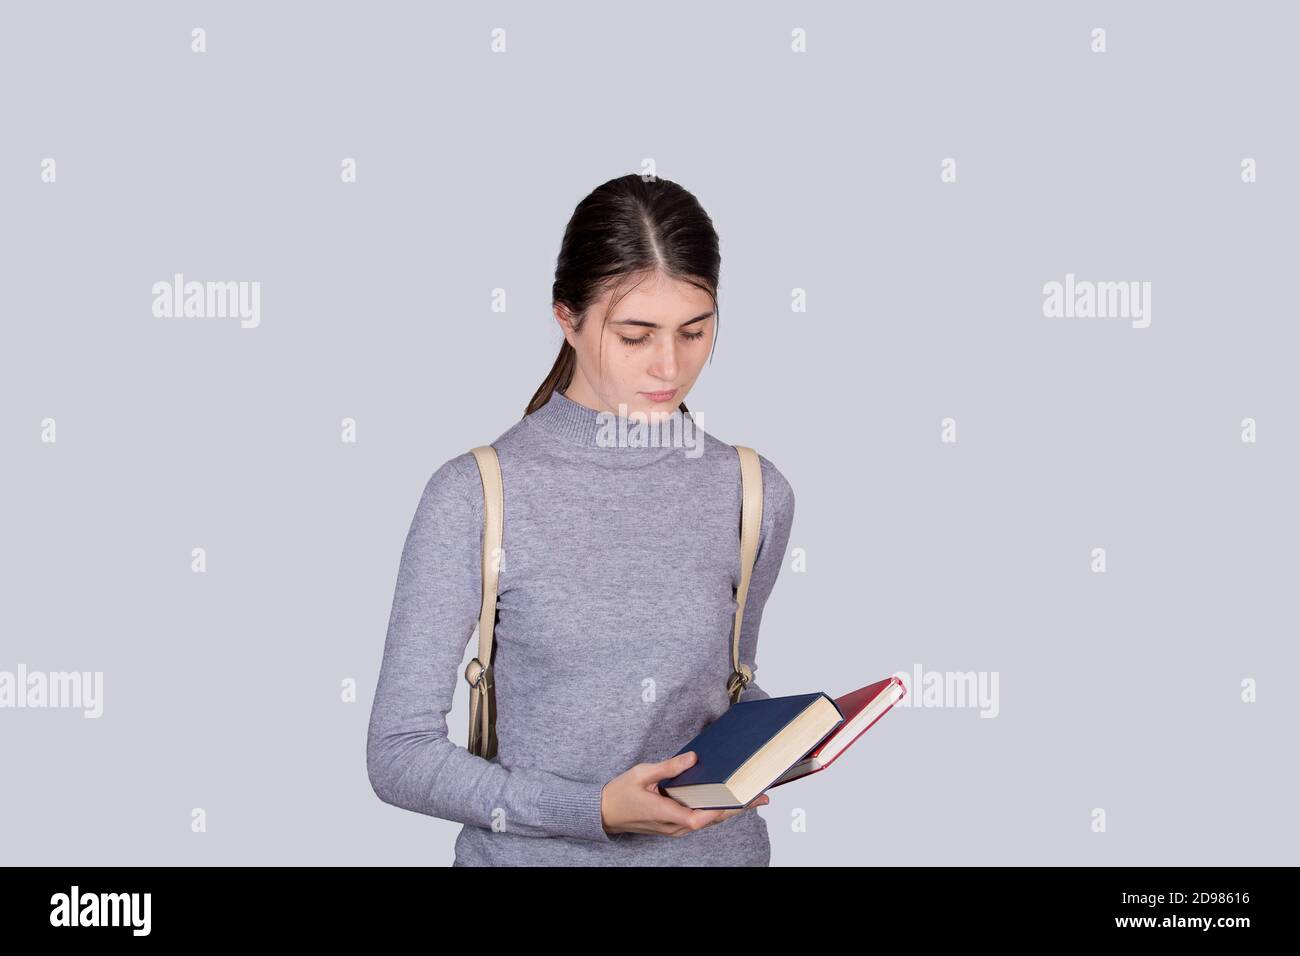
565	319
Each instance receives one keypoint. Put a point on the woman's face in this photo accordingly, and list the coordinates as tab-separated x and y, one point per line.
656	341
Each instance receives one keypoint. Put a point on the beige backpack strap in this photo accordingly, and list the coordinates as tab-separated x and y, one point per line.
751	520
482	700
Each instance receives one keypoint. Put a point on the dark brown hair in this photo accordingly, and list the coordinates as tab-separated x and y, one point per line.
625	230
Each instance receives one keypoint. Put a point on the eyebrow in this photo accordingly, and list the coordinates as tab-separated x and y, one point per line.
655	325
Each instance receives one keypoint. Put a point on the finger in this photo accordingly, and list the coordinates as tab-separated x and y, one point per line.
664	811
759	801
706	818
728	814
699	819
684	818
663	769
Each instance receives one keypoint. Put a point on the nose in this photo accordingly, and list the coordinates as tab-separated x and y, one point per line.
664	366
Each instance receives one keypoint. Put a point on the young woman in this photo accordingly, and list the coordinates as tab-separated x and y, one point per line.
618	578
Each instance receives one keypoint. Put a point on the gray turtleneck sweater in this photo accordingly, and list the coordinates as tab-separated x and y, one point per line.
613	641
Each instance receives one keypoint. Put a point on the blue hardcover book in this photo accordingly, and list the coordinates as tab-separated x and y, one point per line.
744	751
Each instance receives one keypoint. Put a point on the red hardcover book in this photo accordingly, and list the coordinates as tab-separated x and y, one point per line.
861	709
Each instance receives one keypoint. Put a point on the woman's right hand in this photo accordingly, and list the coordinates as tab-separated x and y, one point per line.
632	803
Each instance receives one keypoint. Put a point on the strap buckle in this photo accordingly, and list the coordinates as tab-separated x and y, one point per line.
475	673
739	680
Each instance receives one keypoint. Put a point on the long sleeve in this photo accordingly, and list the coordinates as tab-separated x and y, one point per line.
410	760
774	535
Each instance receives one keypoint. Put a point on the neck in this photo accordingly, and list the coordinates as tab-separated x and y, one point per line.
614	435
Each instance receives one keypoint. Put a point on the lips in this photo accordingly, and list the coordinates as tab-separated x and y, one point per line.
660	396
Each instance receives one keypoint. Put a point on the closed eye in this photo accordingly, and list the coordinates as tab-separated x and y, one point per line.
689	336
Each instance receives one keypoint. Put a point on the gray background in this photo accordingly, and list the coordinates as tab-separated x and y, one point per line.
821	171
